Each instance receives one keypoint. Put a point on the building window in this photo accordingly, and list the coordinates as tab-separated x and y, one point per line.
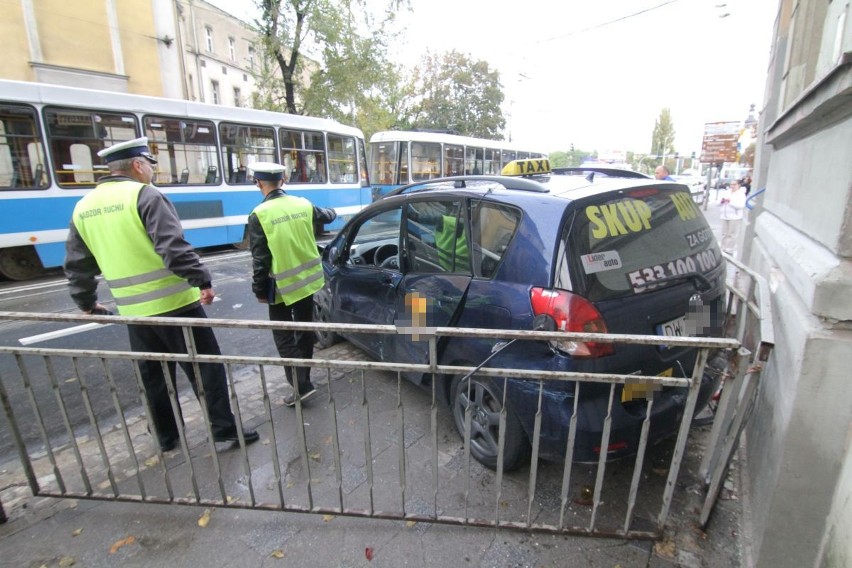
214	86
208	33
232	48
245	77
224	70
191	88
238	97
251	57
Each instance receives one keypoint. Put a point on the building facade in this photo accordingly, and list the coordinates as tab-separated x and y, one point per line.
799	441
183	49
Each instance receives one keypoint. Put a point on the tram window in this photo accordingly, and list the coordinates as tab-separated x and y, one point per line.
242	145
523	156
508	156
453	160
492	162
181	144
362	163
341	159
303	156
425	161
383	162
473	161
76	136
21	149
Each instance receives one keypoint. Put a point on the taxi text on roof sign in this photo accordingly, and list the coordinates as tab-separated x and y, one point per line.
526	167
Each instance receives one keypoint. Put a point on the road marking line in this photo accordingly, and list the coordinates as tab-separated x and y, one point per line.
60	333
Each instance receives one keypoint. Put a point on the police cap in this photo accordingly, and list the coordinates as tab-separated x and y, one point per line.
128	149
267	171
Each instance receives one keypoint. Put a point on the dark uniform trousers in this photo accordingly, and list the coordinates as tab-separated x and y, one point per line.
169	339
295	344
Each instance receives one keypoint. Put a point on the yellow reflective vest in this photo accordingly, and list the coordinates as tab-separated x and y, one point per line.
288	223
451	244
108	221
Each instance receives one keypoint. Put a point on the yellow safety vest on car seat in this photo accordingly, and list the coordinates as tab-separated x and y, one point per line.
288	223
108	222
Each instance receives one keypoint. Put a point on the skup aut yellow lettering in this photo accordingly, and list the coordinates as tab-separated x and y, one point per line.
622	218
686	207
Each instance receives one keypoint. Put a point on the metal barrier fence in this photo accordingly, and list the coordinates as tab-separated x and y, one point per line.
375	446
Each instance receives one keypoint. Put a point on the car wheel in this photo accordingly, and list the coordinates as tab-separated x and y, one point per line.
485	400
324	338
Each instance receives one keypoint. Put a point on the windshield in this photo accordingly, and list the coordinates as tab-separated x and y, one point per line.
634	242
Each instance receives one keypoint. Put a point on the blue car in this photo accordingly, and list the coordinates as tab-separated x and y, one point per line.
609	252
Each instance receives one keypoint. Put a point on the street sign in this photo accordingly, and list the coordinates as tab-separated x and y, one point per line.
720	142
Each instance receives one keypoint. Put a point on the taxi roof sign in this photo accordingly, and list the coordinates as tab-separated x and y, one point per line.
537	166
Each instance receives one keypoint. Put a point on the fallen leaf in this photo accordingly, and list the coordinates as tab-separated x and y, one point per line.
66	561
327	440
368	552
277	553
665	549
327	518
230	499
76	532
123	542
315	456
151	462
204	520
410	524
660	470
290	484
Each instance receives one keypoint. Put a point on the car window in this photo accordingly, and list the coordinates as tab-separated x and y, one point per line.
375	242
435	237
492	228
626	244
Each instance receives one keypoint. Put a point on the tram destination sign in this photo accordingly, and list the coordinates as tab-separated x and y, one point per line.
720	142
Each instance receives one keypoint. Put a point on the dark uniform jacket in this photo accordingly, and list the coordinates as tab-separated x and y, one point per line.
163	227
260	253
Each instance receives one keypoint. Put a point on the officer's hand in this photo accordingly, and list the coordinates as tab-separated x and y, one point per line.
99	309
263	300
207	296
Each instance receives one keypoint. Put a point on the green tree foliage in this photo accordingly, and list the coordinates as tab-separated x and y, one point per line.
458	94
662	140
568	158
354	81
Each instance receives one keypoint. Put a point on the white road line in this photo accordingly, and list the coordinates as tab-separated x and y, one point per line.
61	333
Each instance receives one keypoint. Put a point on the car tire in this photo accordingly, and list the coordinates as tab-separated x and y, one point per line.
486	404
323	339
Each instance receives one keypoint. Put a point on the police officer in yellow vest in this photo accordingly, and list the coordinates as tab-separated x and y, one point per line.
128	231
286	266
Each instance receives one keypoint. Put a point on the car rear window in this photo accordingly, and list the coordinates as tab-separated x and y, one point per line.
632	242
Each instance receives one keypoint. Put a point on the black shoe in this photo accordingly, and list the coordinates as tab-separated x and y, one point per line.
290	397
168	445
248	435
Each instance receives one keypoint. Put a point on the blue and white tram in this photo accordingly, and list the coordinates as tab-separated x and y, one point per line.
400	157
50	136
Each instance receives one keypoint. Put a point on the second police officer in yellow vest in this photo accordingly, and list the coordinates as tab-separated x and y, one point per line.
128	231
286	267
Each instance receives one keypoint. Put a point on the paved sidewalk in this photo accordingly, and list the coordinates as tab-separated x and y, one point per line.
67	532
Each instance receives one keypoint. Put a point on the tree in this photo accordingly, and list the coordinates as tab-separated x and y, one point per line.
459	95
349	76
662	140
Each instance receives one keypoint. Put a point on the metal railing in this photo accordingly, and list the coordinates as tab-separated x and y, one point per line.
375	447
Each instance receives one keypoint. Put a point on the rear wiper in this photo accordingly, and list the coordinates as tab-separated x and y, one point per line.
700	281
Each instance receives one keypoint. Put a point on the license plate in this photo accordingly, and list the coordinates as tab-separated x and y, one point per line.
635	391
673	328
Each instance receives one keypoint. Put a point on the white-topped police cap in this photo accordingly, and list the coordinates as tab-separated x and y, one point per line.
267	171
128	149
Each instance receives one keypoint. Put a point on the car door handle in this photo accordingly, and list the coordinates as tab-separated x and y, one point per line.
386	279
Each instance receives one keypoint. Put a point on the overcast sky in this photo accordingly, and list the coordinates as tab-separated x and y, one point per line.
597	74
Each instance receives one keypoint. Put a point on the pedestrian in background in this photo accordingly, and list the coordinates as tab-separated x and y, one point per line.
128	231
731	215
286	267
662	173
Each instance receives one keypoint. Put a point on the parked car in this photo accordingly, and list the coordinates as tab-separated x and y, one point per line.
696	185
594	253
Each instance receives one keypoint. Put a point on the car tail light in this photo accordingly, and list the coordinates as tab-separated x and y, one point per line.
572	313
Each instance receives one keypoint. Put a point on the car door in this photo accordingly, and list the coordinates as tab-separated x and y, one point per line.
436	275
365	277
